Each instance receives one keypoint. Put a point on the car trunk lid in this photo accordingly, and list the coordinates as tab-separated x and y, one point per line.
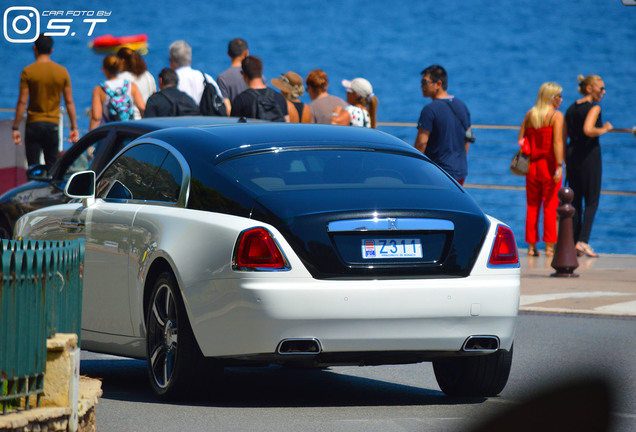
341	233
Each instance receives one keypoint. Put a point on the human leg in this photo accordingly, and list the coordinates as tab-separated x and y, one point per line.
32	141
574	182
41	137
591	195
50	143
550	205
533	205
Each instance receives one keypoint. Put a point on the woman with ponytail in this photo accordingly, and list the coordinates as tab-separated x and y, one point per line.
583	126
363	105
542	131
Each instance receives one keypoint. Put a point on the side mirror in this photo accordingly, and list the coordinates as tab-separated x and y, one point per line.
37	172
82	185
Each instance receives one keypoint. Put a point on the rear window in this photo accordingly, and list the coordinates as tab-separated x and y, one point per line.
333	169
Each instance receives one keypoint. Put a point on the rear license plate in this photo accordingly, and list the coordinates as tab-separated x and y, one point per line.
391	248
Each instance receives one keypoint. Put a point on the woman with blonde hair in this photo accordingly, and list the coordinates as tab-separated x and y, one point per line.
291	87
363	105
584	126
542	131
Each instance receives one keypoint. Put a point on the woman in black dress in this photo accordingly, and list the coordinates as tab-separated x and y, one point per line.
584	126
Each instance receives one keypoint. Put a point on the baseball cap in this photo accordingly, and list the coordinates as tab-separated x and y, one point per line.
360	86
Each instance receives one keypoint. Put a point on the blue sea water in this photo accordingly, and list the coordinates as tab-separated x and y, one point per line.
497	54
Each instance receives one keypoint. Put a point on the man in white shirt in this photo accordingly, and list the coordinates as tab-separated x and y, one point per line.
190	80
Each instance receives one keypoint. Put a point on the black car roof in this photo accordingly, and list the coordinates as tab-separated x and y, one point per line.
222	141
154	123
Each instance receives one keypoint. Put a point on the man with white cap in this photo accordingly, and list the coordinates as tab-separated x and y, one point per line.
362	105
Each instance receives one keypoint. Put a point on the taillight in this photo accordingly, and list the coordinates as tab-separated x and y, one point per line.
504	249
256	249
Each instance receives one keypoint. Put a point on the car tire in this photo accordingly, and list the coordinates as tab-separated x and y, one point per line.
478	376
173	355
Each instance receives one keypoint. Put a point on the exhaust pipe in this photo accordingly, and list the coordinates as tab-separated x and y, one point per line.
481	344
299	346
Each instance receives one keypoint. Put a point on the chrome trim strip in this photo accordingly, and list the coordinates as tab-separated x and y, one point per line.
391	224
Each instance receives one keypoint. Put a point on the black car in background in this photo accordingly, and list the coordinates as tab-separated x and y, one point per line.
92	152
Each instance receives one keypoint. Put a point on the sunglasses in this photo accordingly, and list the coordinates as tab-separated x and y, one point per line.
424	82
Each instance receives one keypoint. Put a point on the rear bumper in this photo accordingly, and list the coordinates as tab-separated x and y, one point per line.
250	316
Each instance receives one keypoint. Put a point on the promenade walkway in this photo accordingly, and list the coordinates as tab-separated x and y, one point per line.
606	286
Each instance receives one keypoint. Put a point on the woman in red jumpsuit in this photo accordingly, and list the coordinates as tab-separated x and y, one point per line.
542	131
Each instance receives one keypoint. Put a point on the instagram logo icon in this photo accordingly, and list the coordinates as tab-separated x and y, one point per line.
21	24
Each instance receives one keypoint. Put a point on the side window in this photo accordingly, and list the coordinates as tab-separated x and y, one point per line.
97	151
86	158
144	173
167	183
106	154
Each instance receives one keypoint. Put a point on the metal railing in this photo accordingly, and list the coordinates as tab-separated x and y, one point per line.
40	295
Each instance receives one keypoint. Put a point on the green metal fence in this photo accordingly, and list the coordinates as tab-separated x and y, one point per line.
40	295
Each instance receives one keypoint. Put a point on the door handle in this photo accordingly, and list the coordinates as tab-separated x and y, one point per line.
71	224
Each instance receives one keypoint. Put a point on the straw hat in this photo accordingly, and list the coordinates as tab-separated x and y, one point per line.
290	83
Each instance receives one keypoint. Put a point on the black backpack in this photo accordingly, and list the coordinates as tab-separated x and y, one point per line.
178	108
265	105
211	103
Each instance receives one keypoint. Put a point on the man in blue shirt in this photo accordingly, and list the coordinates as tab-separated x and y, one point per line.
443	130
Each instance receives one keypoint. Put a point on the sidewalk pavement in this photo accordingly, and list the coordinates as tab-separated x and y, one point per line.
606	286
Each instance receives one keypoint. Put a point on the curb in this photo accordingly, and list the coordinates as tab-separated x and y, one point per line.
57	418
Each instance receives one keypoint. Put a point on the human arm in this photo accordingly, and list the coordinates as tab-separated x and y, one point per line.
306	115
20	107
524	126
557	145
228	106
467	143
72	115
96	107
137	98
340	117
589	126
421	140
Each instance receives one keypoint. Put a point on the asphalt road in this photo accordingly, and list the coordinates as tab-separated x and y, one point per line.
551	351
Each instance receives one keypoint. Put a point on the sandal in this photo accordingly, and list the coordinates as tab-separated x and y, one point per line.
585	249
532	251
549	249
579	250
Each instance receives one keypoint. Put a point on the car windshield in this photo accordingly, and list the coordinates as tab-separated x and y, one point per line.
84	160
333	169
